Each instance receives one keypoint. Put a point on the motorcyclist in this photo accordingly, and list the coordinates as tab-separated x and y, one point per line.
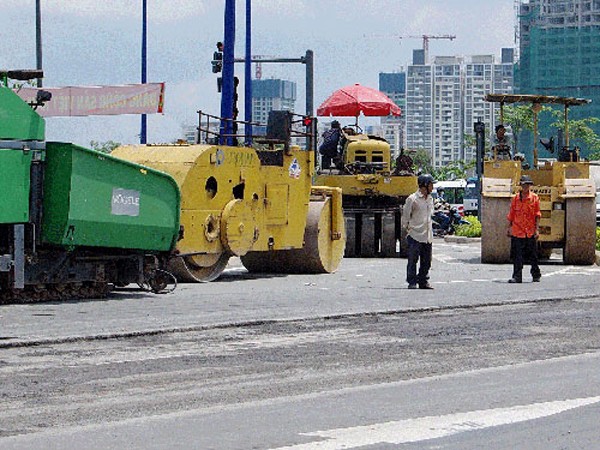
441	214
446	217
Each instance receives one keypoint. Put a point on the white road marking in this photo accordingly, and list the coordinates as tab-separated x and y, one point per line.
432	427
446	259
558	272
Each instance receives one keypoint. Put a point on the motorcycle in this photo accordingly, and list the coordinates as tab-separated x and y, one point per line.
446	221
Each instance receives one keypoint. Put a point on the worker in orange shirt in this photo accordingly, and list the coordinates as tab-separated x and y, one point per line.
523	229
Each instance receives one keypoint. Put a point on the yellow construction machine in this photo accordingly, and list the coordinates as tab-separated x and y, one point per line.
253	202
564	185
373	193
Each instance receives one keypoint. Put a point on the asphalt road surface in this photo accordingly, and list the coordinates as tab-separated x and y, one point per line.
350	360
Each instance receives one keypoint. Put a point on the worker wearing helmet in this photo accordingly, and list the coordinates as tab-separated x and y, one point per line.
416	219
523	229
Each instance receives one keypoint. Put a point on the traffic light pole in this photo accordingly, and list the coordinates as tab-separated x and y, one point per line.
248	76
228	82
310	88
311	142
307	59
144	120
38	39
479	129
228	91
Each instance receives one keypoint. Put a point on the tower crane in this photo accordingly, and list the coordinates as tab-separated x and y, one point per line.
258	62
425	37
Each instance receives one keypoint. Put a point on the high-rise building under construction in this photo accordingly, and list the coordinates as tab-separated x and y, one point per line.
559	46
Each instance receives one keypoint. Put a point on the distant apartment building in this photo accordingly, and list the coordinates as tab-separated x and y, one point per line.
447	110
559	52
374	130
394	86
190	133
484	75
269	95
419	107
446	97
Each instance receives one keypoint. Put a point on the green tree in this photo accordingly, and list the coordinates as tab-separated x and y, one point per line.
104	147
454	170
451	171
470	141
580	129
520	118
422	161
17	85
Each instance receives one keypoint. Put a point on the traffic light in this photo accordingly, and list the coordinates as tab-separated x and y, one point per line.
217	62
217	65
307	121
279	126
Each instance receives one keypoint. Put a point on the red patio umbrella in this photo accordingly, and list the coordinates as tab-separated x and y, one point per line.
350	101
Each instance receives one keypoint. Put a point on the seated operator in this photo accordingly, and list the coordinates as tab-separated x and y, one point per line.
404	164
329	145
338	160
349	131
501	144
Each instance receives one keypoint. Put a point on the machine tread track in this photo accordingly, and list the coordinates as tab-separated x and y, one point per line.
55	292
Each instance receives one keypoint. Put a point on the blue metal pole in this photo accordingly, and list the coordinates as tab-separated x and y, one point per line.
228	60
144	125
248	75
38	39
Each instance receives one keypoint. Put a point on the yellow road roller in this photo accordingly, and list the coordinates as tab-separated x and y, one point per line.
373	194
563	184
255	202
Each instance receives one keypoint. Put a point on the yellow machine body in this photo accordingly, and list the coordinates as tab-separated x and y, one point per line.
255	204
567	203
373	196
371	185
565	188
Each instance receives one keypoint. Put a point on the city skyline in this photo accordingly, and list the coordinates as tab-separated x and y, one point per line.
442	100
92	44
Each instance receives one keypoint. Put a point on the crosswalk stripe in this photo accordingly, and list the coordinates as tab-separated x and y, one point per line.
433	427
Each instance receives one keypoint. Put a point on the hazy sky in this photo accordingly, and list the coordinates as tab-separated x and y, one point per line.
90	42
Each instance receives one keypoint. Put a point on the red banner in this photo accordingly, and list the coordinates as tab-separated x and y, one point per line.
100	100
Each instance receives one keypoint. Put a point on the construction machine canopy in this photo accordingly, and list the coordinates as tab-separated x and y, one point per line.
532	98
536	101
